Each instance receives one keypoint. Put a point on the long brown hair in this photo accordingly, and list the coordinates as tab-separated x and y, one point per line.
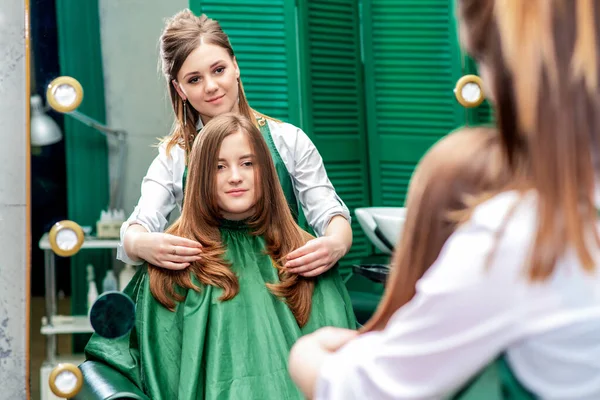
182	34
543	60
200	220
460	168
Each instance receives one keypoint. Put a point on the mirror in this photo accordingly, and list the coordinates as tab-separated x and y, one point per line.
469	91
65	380
64	94
112	315
77	173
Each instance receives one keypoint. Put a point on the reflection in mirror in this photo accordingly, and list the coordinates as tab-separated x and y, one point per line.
77	172
44	130
65	380
112	315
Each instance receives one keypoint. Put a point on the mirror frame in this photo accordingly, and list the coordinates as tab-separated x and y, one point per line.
28	233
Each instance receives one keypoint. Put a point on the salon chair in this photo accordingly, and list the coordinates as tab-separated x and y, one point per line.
101	382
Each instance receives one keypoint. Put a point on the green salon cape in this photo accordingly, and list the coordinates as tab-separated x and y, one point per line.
212	349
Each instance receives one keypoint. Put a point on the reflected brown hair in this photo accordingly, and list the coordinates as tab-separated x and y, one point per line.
543	59
201	218
461	168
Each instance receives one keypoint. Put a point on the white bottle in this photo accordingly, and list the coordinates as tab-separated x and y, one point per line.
125	276
92	294
109	283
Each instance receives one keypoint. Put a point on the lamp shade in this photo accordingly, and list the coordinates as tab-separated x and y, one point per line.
44	130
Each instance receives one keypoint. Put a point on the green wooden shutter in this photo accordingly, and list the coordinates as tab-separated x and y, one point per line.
333	101
263	36
412	62
483	114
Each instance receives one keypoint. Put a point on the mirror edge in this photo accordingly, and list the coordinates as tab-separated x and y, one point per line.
28	238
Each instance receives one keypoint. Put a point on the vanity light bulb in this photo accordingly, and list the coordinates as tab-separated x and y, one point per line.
65	94
471	92
66	381
66	239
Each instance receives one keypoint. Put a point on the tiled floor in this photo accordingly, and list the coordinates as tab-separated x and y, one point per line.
38	342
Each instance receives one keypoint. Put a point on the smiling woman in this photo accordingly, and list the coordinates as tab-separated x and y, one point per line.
236	209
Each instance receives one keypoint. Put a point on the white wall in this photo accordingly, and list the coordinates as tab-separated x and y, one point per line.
135	90
13	198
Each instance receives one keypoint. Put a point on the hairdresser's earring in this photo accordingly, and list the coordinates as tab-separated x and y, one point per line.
184	112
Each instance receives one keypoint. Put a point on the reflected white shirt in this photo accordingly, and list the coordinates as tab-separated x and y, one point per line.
464	315
162	186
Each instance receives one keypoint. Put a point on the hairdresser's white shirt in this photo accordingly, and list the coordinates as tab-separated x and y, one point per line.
162	186
464	315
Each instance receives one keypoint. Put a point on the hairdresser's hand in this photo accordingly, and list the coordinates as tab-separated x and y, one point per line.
316	256
165	250
308	355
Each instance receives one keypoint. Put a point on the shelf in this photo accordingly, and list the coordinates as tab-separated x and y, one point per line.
89	242
62	324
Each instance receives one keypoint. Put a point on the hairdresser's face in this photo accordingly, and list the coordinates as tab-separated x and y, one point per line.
208	80
236	195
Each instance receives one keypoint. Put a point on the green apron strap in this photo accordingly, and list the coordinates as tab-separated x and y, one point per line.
183	181
284	177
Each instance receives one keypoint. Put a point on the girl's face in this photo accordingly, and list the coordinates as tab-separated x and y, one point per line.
236	195
208	79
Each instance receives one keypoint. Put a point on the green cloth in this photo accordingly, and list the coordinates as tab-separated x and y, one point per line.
209	349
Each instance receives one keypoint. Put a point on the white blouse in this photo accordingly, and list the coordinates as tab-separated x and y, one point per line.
464	315
162	186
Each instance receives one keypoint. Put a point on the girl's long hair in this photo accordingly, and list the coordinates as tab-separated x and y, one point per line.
201	218
461	168
543	58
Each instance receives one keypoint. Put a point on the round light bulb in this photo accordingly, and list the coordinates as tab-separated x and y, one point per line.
65	94
66	381
471	92
66	239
